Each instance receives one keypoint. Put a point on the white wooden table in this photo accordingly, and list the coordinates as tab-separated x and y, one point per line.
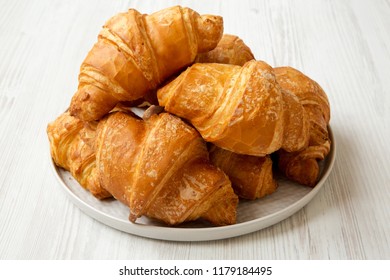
343	45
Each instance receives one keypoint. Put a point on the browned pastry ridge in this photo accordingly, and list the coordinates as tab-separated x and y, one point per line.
241	109
230	50
136	52
72	147
302	166
160	168
251	176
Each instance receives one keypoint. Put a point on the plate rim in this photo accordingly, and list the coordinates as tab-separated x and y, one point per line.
170	233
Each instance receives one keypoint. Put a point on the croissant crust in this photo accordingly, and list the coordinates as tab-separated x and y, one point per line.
161	170
135	53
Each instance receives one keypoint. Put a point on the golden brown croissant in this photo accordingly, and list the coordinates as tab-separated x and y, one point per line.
303	166
159	167
230	50
72	148
135	53
241	109
251	176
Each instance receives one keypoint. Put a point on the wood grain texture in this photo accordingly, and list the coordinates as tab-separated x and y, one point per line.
343	45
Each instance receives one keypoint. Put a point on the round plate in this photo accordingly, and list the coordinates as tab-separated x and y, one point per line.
251	215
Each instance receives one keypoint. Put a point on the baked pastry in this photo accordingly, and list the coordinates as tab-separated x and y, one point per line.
241	109
302	166
230	50
251	176
72	147
159	167
135	53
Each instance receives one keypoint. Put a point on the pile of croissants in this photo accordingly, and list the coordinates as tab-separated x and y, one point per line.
217	122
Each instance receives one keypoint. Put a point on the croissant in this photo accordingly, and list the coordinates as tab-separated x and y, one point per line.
160	168
302	166
135	53
72	148
230	50
241	109
251	176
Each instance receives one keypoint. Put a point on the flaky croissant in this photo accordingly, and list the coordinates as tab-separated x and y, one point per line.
302	166
241	109
251	176
230	50
135	53
72	147
159	167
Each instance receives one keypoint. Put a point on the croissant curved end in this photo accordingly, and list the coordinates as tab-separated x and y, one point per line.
210	28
